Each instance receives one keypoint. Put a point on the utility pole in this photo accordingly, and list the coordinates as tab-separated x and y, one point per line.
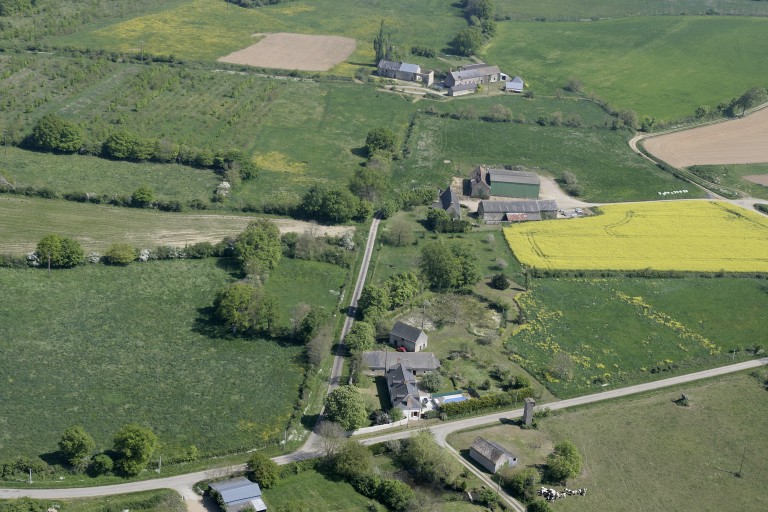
160	465
30	475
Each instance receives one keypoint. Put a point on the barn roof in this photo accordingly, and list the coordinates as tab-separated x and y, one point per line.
490	450
410	68
464	87
237	489
405	331
475	71
416	361
531	206
505	176
388	64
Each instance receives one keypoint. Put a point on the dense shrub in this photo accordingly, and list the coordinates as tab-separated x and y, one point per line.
486	402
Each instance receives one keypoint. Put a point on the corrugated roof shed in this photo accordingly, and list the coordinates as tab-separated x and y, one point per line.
545	205
405	331
238	489
505	176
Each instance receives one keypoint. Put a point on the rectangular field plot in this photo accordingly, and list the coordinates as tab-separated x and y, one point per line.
684	236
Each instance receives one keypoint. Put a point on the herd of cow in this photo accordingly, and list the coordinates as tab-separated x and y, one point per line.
552	494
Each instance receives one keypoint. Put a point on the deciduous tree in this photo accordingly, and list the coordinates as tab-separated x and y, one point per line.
53	133
245	307
61	252
263	470
76	445
380	139
135	445
260	242
360	337
346	406
564	462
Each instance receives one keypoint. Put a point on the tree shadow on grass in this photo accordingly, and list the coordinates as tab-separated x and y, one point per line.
361	152
54	459
231	265
308	421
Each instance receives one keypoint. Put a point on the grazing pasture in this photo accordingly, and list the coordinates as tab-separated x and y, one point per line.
67	174
560	10
206	30
692	236
25	220
651	65
647	453
103	346
581	335
601	159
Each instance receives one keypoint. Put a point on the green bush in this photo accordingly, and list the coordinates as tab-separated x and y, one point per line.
486	402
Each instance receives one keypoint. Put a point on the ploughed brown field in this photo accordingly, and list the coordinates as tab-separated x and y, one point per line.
741	141
294	51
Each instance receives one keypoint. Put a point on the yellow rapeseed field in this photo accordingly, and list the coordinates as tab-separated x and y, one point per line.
699	236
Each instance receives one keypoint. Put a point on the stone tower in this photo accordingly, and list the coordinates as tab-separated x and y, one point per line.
530	403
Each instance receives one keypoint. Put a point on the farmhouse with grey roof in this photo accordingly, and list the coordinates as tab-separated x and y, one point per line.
417	362
405	71
239	494
495	212
448	200
403	392
472	75
408	336
490	455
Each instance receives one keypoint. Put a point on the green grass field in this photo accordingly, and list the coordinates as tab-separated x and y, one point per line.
87	174
557	10
206	30
647	453
650	65
104	346
25	220
316	492
601	159
150	501
637	449
688	324
733	176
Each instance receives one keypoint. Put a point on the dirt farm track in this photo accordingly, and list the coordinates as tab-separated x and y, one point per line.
294	51
741	141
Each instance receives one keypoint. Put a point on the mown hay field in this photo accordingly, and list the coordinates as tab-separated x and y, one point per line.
668	236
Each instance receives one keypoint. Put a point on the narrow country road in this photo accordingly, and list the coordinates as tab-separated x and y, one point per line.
183	483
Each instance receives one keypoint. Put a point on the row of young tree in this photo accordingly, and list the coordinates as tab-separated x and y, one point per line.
53	133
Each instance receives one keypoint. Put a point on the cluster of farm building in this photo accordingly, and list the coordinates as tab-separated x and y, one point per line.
465	80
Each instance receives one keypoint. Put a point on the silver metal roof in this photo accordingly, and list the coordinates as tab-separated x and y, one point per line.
505	176
410	68
531	206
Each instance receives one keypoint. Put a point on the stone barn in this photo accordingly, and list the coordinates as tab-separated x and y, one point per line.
496	212
411	338
490	455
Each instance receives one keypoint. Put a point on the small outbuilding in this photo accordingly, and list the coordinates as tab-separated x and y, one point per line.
405	71
514	85
407	336
462	89
490	455
238	494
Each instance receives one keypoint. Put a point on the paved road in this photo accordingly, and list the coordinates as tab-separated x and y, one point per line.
183	483
311	447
